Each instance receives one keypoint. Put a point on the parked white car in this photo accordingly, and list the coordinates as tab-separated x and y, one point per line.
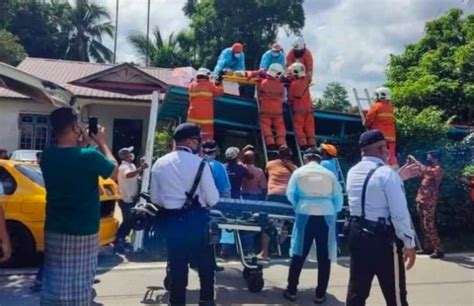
24	155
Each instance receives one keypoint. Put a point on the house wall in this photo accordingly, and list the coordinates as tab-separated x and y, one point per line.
10	109
107	113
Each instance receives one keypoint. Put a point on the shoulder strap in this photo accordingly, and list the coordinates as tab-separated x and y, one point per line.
197	179
364	189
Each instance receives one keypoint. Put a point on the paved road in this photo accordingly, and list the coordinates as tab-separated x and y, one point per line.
432	282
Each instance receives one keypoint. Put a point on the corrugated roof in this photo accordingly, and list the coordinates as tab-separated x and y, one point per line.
63	72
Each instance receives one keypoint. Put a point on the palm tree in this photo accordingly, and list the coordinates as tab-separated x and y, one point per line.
162	53
87	25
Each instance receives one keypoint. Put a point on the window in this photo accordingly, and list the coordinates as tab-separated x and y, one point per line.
35	132
32	172
7	182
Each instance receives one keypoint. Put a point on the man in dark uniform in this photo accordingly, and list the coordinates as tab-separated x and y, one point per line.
182	183
380	234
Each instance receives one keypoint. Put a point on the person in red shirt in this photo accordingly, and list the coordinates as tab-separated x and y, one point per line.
301	54
270	93
426	202
201	102
302	106
381	117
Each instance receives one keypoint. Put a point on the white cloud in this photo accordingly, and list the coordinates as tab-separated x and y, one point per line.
351	40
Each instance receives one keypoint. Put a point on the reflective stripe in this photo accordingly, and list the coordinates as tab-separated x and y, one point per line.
201	94
385	115
396	268
390	138
201	121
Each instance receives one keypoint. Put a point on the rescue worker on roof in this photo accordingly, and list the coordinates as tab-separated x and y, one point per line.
302	106
230	60
201	102
270	93
381	117
273	56
301	54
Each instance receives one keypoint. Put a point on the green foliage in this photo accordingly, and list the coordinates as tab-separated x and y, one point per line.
439	69
11	52
217	24
56	29
419	132
163	141
468	171
167	53
335	98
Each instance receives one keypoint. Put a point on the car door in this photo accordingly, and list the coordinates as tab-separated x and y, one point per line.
8	186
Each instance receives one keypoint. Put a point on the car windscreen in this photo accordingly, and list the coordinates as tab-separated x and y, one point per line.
26	156
32	172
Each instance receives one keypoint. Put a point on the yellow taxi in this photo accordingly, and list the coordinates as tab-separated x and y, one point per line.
23	198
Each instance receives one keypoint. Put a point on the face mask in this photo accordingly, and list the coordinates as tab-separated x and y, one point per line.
237	55
197	150
275	54
299	53
132	156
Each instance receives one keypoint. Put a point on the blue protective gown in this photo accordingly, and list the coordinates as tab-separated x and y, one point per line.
268	59
314	190
227	60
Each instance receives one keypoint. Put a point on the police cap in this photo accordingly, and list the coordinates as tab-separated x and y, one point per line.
370	137
186	130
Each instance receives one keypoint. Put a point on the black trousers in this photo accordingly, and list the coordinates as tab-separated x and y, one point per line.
186	238
316	229
127	220
378	255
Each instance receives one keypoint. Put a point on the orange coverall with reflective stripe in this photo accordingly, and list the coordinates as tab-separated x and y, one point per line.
306	60
381	117
201	105
303	119
270	93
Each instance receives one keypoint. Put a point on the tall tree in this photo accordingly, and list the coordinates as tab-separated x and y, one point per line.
165	53
335	98
217	24
11	52
89	22
438	70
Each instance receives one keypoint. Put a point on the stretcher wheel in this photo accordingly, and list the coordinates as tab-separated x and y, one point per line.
255	283
167	283
246	273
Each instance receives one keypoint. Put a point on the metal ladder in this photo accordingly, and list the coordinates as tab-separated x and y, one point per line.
345	206
360	100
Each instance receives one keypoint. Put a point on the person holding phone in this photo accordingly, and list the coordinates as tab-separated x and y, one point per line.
71	229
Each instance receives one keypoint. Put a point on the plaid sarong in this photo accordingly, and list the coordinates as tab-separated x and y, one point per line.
69	269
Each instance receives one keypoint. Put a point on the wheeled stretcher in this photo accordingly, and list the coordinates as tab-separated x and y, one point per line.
242	216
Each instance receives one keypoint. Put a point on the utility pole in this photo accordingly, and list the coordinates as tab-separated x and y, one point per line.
148	36
116	29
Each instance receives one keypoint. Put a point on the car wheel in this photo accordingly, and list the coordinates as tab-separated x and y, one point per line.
23	246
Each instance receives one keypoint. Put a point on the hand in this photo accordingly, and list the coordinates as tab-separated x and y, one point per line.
143	166
409	171
99	138
409	256
6	250
248	148
86	140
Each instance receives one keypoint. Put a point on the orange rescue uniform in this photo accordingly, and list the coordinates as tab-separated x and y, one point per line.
303	119
381	117
270	93
306	59
201	105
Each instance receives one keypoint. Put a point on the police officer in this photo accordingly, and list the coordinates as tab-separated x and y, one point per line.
381	238
182	183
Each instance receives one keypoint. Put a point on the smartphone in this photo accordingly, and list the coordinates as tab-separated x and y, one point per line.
93	129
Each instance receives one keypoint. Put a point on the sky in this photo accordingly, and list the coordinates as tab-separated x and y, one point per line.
351	40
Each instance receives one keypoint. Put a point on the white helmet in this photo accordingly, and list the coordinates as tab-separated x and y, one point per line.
297	69
275	70
383	93
204	72
299	43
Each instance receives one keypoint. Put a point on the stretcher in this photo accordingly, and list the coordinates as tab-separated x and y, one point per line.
238	216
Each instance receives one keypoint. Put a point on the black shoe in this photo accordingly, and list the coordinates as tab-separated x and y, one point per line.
290	297
437	255
219	268
319	300
96	281
424	252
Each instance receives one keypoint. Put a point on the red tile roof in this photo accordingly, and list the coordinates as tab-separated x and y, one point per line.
63	72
